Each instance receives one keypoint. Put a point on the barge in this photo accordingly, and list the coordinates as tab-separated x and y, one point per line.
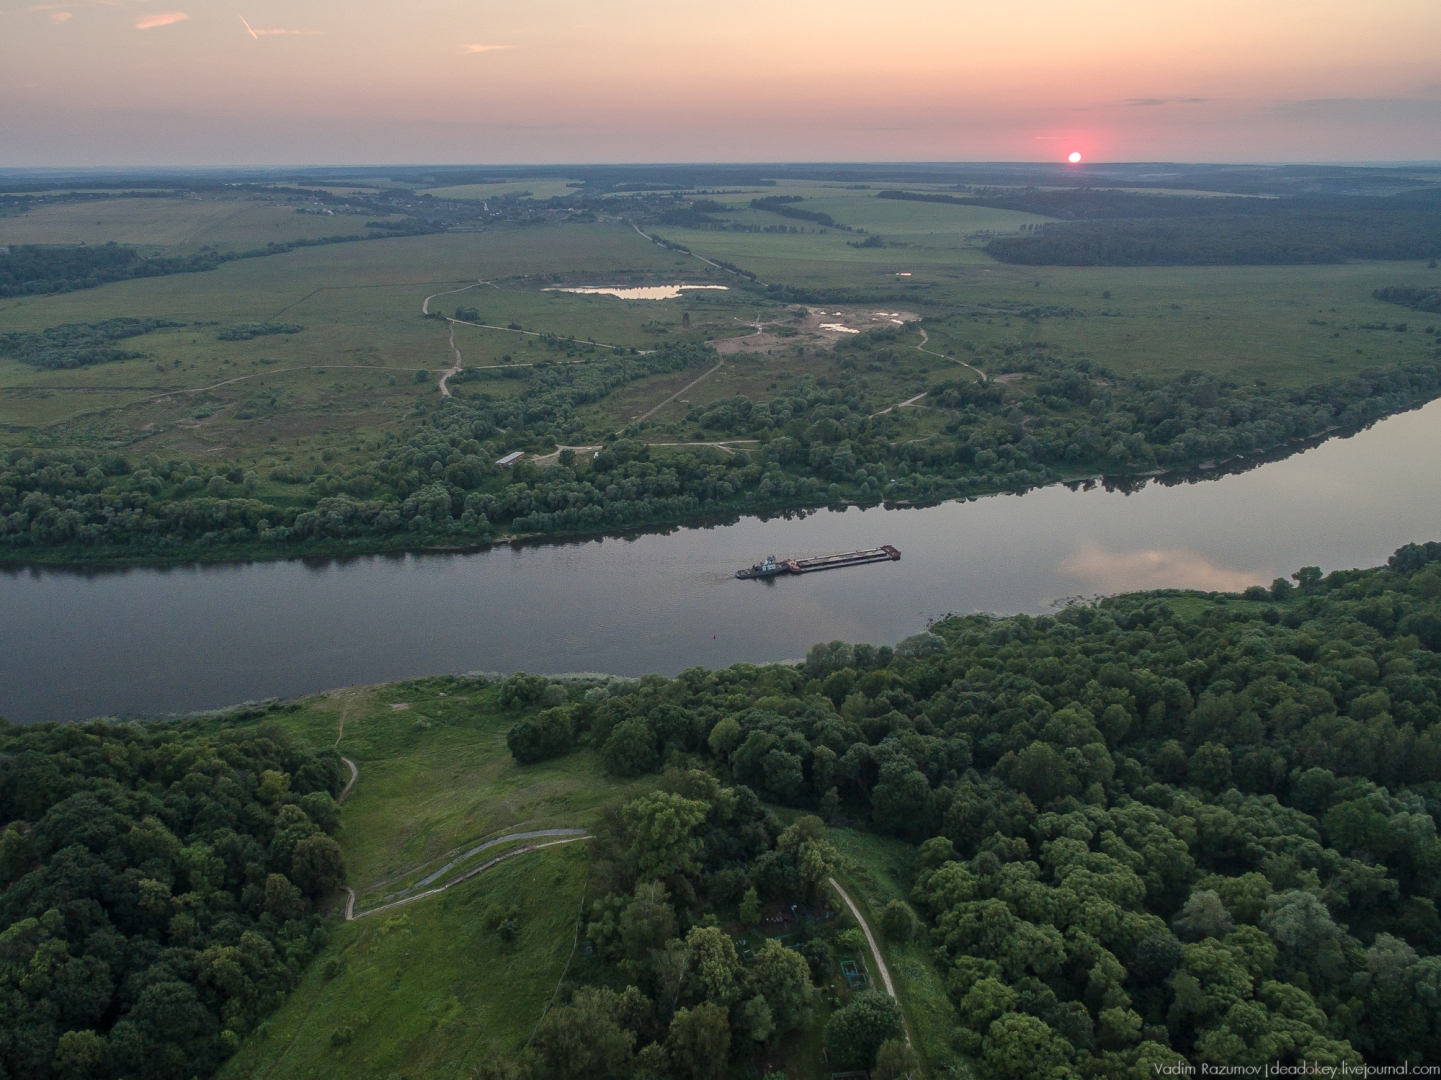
770	566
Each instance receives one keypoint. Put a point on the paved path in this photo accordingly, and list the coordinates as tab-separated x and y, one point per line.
568	836
472	872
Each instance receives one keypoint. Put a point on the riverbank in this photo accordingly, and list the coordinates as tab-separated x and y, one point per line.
120	557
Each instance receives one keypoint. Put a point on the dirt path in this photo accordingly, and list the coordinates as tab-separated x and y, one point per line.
901	405
546	459
693	255
425	304
354	776
667	401
875	949
870	938
445	375
925	337
340	734
726	446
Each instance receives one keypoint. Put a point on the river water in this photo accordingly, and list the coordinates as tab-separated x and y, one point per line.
142	642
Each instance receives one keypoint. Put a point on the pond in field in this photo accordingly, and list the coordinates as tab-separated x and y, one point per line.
151	641
635	292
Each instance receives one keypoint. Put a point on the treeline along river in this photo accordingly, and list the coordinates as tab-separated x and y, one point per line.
75	644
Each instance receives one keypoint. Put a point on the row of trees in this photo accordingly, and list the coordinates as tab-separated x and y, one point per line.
1144	828
159	891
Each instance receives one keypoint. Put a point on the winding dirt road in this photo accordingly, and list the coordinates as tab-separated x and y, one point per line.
925	337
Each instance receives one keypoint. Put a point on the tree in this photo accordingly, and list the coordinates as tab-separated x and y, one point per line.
855	1032
317	865
1210	766
1203	916
647	922
661	829
782	977
898	921
1019	1047
547	734
79	1055
895	1060
699	1042
631	749
724	737
715	969
582	1040
750	909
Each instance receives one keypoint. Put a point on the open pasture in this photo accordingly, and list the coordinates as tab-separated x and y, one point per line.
364	366
241	220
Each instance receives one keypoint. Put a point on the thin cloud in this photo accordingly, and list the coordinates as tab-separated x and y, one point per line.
60	16
485	48
163	18
1148	101
258	34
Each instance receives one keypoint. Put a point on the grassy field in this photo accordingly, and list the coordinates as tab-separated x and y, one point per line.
178	223
428	990
364	366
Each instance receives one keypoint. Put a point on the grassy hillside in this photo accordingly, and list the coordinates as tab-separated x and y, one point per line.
429	990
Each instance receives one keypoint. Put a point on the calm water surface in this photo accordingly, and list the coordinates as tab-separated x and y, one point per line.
153	641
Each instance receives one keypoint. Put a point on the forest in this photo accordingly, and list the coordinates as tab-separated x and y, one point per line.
1411	297
75	345
1124	229
159	891
1161	828
825	441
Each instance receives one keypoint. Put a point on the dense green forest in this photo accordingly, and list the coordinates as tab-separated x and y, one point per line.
1123	228
1407	296
35	269
784	205
158	891
1119	229
1164	825
825	441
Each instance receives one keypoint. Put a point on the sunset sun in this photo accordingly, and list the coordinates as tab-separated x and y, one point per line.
1075	158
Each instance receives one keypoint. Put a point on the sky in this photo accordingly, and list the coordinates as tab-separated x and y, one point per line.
182	82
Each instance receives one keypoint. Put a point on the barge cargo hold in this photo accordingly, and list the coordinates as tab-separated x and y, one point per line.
770	566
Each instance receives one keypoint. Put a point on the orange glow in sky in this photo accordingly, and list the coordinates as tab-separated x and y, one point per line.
301	81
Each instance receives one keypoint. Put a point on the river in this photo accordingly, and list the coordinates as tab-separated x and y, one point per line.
145	642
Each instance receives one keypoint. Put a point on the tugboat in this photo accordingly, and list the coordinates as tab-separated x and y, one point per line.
767	567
